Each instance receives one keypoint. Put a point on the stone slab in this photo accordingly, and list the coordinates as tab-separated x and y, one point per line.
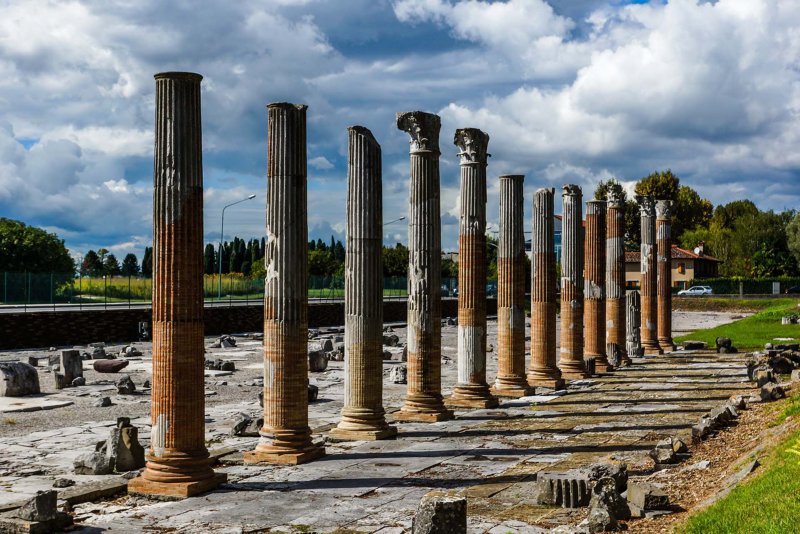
31	403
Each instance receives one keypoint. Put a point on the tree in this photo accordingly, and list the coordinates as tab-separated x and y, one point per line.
449	268
689	210
491	257
26	248
395	260
727	215
147	262
633	226
91	264
130	265
111	265
209	259
793	237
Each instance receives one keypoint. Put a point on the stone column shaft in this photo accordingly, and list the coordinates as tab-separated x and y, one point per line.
543	370
633	344
363	416
615	272
424	340
571	353
594	288
664	270
178	464
285	436
649	319
511	380
472	391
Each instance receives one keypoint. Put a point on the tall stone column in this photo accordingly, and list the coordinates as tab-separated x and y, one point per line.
594	287
511	380
424	340
543	370
649	277
664	270
285	436
633	344
178	464
472	391
571	353
615	271
363	417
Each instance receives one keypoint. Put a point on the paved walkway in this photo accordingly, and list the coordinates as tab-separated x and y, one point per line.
492	456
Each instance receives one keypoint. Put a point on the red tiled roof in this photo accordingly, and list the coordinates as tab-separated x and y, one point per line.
677	253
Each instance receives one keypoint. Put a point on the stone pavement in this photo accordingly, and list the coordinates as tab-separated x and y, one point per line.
492	456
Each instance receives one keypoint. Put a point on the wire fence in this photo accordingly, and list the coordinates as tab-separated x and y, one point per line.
43	289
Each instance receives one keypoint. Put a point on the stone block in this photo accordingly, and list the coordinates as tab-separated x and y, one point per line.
92	463
42	507
440	514
109	366
772	391
570	489
18	379
398	374
694	345
317	361
646	496
71	365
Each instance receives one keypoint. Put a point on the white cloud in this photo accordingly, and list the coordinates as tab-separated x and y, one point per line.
321	163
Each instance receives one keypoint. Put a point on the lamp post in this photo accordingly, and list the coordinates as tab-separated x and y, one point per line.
403	218
221	237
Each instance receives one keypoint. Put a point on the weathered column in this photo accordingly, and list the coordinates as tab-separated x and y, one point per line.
285	436
363	417
178	464
543	370
571	353
649	277
664	270
633	343
424	339
511	380
615	271
594	287
472	391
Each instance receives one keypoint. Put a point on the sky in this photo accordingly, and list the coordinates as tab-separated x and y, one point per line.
570	91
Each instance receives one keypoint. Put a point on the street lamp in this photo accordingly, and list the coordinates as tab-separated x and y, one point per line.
221	237
403	218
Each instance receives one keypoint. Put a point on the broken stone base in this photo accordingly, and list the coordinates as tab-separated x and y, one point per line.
574	375
440	513
471	401
652	351
423	417
514	393
174	490
14	525
549	383
339	434
287	458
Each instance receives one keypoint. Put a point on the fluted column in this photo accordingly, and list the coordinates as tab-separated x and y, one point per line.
633	344
649	277
472	391
511	380
664	269
594	287
571	352
285	436
424	339
178	464
363	416
615	272
543	370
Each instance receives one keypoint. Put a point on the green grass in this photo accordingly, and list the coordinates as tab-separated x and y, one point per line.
751	333
728	304
768	503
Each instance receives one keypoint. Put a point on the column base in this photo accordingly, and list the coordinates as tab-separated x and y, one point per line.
472	396
603	366
666	345
652	350
174	490
549	383
514	392
284	458
410	416
344	434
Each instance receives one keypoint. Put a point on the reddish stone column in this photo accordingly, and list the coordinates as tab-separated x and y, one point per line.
285	436
511	380
649	278
664	245
363	417
571	353
615	272
594	311
177	460
543	370
472	391
424	340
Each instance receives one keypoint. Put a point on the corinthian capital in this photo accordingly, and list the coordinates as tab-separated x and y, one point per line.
423	128
615	195
571	190
664	209
647	205
473	144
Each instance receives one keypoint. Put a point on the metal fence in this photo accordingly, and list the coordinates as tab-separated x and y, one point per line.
43	289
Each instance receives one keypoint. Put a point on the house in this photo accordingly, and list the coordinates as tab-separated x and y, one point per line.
687	265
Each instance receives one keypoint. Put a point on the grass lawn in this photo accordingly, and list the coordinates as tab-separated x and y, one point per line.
751	333
728	304
769	502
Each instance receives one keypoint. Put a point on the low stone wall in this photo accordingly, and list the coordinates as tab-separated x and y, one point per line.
79	327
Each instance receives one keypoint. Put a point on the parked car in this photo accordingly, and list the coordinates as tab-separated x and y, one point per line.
792	290
696	291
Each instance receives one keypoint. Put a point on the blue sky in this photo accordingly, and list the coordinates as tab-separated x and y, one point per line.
571	91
